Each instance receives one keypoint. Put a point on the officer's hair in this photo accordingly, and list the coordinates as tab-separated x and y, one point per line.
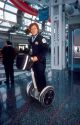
28	30
32	24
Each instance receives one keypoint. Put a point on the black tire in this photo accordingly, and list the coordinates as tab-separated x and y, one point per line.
47	96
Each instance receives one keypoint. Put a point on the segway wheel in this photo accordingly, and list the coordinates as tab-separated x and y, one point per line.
29	88
47	96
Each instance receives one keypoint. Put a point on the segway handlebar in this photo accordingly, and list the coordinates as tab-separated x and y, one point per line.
23	59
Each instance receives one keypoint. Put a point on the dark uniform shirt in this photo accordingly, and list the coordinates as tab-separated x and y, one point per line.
39	47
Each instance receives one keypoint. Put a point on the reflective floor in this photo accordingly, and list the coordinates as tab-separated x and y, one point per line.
16	108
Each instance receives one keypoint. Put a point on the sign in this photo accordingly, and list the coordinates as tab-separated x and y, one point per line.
43	14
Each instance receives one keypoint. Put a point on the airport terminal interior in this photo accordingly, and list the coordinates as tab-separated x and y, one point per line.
59	23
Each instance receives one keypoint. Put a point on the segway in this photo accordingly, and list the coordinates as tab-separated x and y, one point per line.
46	96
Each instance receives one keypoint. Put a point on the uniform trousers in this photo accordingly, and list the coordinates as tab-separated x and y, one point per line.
39	74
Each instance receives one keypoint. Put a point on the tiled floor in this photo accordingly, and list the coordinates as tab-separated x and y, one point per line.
16	108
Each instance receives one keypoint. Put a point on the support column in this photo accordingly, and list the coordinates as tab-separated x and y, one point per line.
57	36
52	36
64	40
60	36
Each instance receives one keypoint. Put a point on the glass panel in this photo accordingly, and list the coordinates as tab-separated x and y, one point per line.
27	15
1	14
1	4
34	17
27	22
10	8
48	23
40	26
10	17
3	29
5	24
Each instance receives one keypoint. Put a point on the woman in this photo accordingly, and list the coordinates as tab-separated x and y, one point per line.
39	47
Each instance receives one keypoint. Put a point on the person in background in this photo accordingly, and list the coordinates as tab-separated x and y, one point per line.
8	56
39	48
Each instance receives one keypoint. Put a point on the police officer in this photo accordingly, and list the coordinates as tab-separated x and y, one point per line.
39	49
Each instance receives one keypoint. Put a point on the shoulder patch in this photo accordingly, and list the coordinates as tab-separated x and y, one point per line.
43	40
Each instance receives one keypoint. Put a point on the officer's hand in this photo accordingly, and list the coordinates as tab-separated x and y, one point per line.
34	59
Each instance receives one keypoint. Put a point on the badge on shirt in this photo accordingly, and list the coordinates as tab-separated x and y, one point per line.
43	40
36	43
